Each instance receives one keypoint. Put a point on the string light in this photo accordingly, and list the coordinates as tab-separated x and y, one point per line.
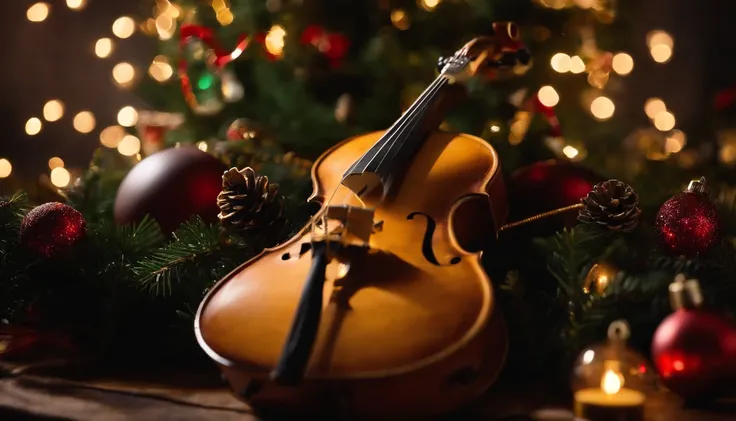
654	106
602	108
123	73
123	27
429	5
76	4
103	47
622	64
38	12
674	142
661	53
60	177
84	122
53	110
127	116
659	37
560	63
5	168
548	96
570	151
577	65
202	146
33	126
129	145
165	26
111	137
274	41
664	121
55	162
160	69
495	128
400	19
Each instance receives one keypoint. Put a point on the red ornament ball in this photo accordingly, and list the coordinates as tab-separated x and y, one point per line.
695	352
545	186
687	224
52	229
171	186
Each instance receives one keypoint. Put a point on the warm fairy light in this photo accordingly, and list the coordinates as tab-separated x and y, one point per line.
84	122
495	129
602	108
400	19
111	137
38	12
123	27
218	5
654	106
127	116
76	4
570	151
123	73
674	142
275	40
60	177
548	96
103	47
55	162
664	121
661	53
33	126
165	26
611	382
577	65
659	37
53	110
622	64
202	146
560	63
225	17
129	145
5	168
588	356
429	5
160	69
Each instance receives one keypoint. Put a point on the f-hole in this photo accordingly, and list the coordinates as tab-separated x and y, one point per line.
427	250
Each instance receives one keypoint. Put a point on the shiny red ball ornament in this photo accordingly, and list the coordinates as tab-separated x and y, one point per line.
546	186
52	229
693	349
687	224
171	186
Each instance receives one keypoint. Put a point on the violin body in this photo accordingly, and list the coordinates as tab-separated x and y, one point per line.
409	327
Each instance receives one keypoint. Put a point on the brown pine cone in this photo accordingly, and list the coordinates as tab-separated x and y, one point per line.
612	204
248	201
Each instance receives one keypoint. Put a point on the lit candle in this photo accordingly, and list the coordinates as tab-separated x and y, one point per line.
610	402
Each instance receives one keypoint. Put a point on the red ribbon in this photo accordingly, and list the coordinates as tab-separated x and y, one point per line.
222	57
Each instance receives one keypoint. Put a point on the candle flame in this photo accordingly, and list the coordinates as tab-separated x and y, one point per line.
611	382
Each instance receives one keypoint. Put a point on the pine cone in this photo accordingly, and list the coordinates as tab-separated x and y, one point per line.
612	204
248	201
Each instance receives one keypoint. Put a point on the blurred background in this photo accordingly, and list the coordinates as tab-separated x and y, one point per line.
84	53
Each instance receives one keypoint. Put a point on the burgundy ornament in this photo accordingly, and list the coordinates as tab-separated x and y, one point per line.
546	186
693	349
52	229
688	224
171	186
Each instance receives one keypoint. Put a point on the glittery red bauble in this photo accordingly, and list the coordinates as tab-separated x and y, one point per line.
52	229
546	186
171	186
695	353
688	224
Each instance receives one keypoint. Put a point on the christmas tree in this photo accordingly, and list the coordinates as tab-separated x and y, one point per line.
273	84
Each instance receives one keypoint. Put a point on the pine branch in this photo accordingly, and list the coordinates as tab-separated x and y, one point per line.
194	245
12	211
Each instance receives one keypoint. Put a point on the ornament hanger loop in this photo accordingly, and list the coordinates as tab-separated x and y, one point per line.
619	330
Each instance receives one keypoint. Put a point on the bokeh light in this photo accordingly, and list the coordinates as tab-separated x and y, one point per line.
560	63
5	168
548	96
124	74
127	116
84	122
33	126
654	106
110	137
622	64
661	53
602	108
55	162
38	12
274	41
76	4
129	145
664	121
103	47
53	110
577	65
160	69
60	177
123	27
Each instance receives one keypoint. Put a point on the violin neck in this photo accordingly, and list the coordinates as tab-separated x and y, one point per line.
386	159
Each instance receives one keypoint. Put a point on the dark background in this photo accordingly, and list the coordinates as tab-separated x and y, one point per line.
55	59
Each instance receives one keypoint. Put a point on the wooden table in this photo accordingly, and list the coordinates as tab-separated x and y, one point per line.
35	396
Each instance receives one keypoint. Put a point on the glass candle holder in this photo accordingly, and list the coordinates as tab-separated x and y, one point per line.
611	381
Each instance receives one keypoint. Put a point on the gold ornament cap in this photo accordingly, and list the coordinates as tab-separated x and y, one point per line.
699	186
685	293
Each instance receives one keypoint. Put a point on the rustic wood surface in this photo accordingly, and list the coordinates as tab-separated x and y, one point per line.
44	396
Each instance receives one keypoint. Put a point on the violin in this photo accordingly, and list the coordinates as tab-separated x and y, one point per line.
379	308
